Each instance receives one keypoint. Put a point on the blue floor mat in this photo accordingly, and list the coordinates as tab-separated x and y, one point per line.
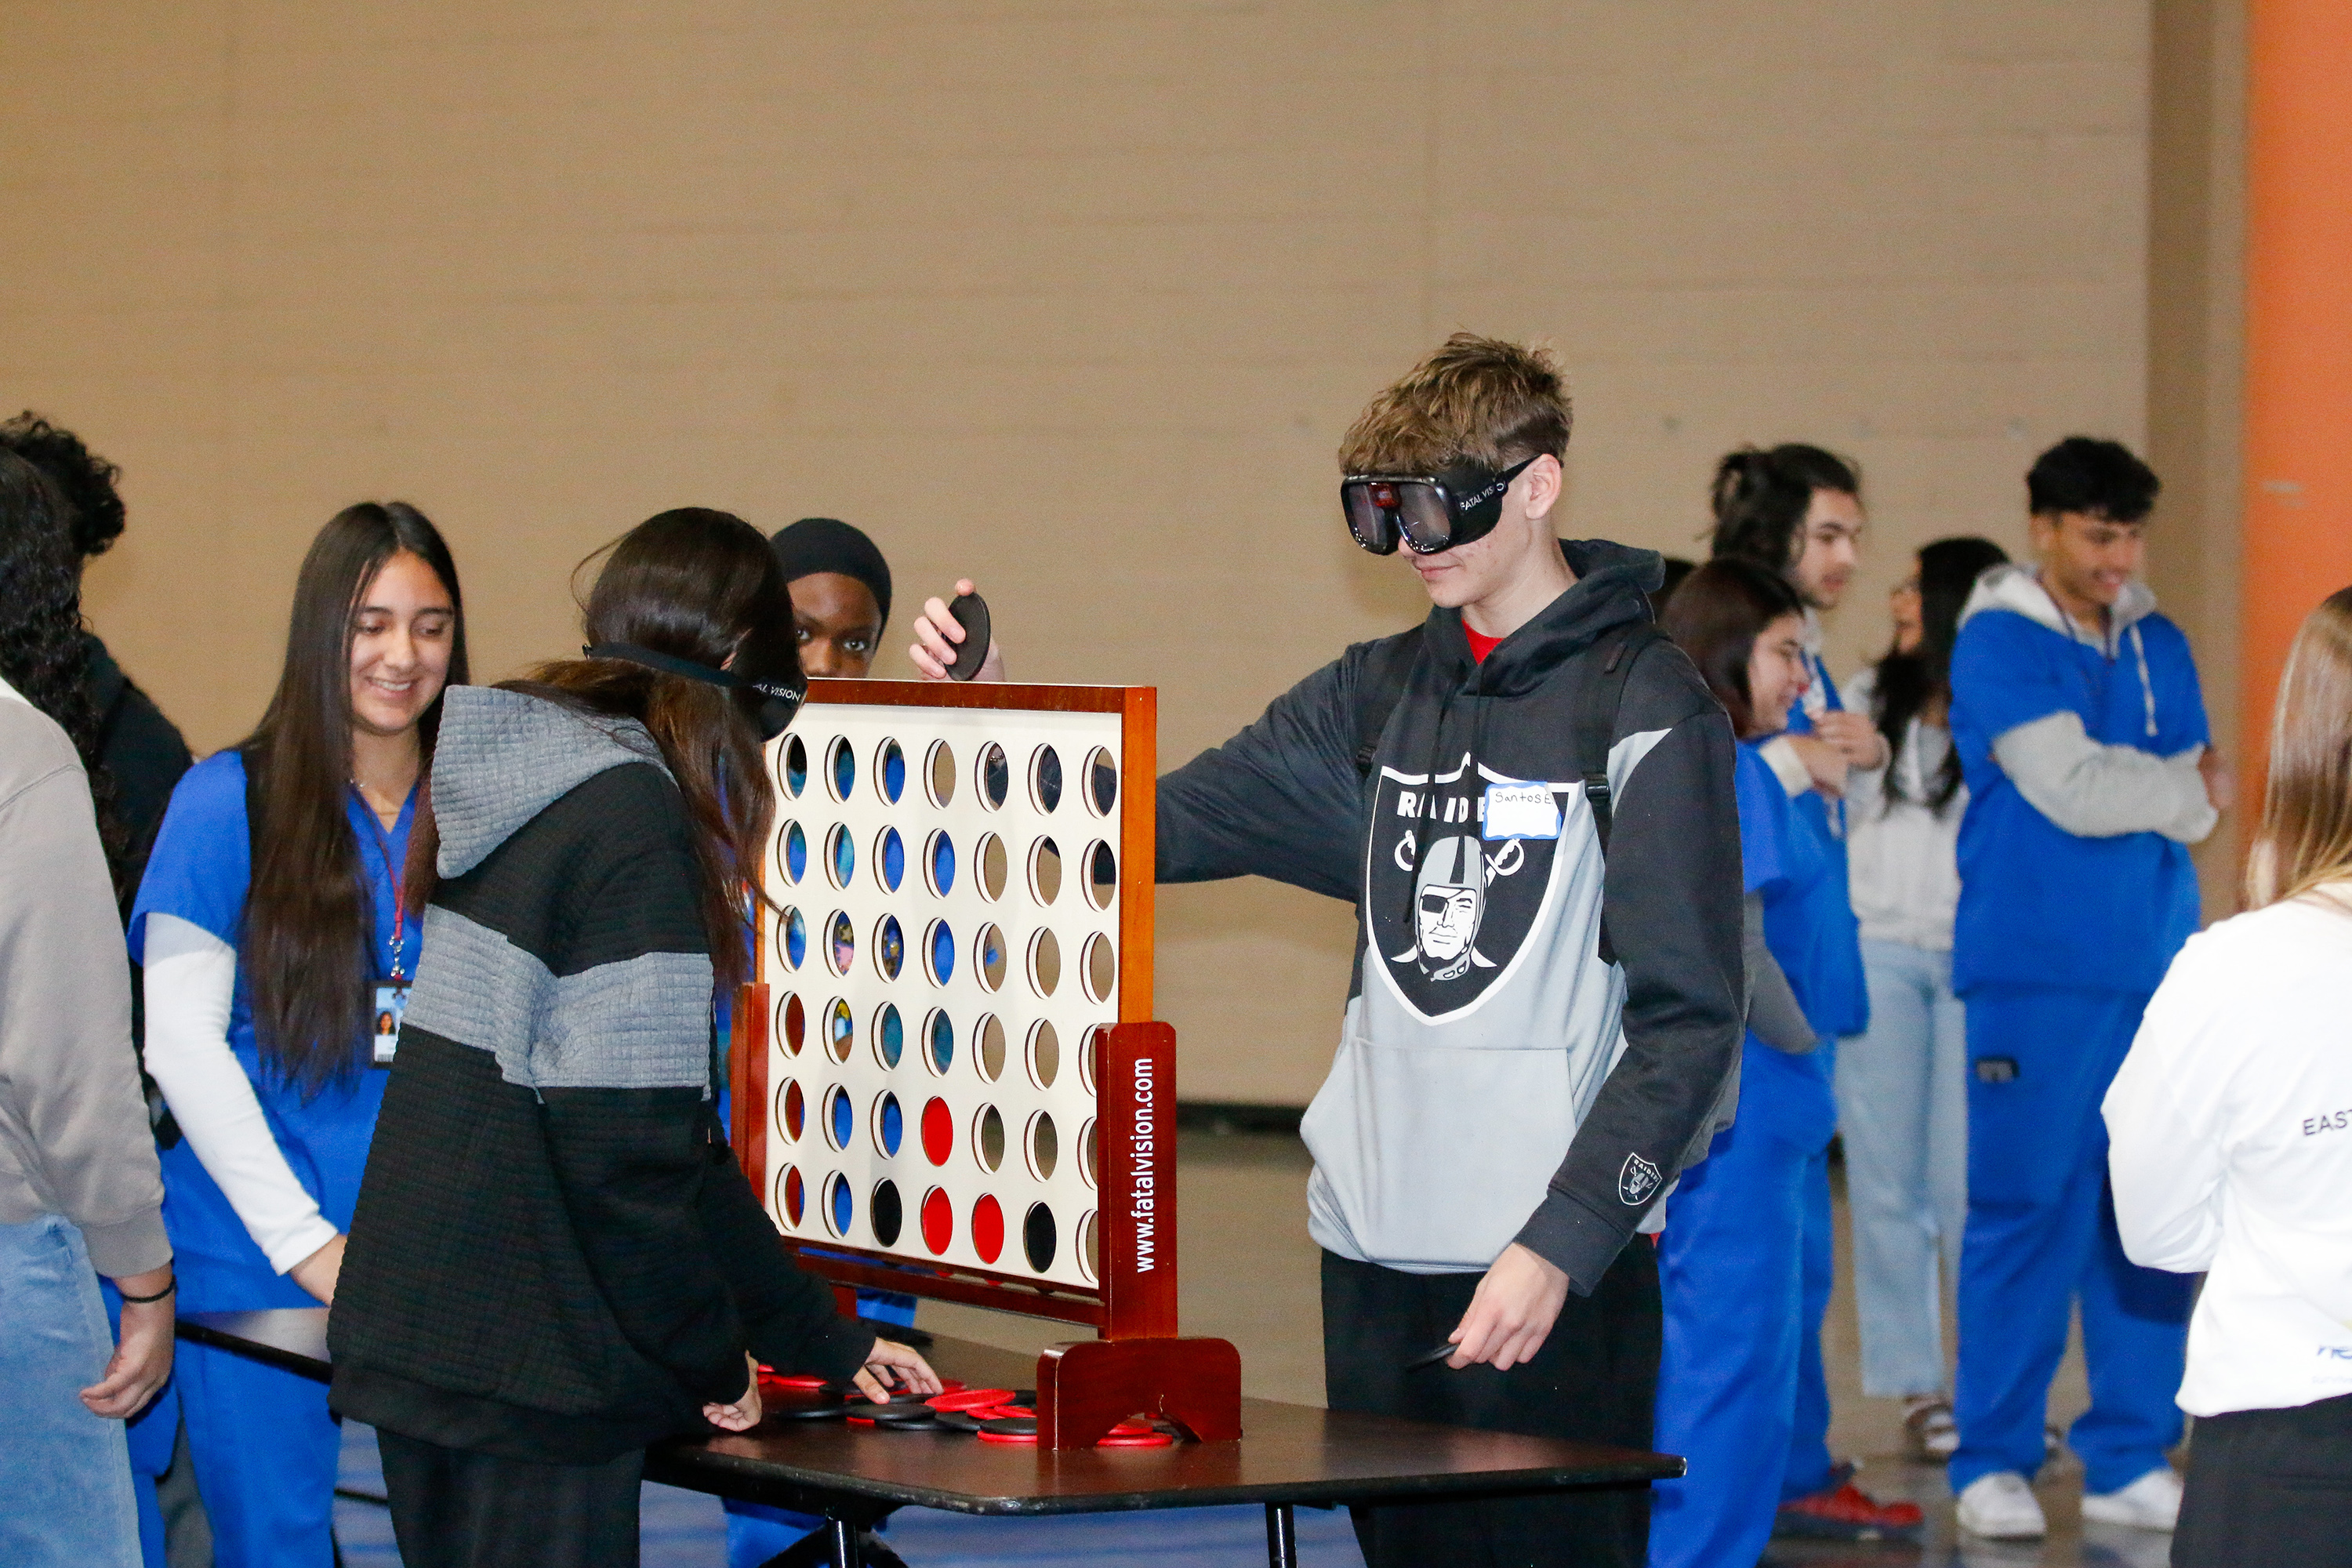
686	1530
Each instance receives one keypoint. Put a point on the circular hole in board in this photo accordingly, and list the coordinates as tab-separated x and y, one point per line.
791	939
987	1228
988	954
794	774
840	1204
1037	1237
841	943
938	1131
792	1110
994	866
1102	781
1089	1247
890	859
840	856
938	1042
791	1197
1044	1054
939	953
1045	961
995	777
1102	875
792	1023
890	947
1045	778
940	772
890	771
1045	870
792	852
883	1214
1098	1042
990	1048
889	1035
840	768
889	1125
1042	1145
1086	1151
1099	967
938	1220
988	1138
840	1029
840	1117
938	864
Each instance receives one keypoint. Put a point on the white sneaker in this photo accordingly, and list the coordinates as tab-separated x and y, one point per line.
2001	1507
2151	1502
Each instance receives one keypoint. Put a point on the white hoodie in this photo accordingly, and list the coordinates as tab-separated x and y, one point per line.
2231	1126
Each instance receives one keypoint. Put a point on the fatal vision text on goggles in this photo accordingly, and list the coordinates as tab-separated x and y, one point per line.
1428	512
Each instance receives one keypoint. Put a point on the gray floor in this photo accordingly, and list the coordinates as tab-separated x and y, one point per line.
1249	1275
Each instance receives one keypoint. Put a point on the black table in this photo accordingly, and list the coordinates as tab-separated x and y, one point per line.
854	1477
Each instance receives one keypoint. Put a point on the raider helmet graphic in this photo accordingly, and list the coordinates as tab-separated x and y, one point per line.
1449	901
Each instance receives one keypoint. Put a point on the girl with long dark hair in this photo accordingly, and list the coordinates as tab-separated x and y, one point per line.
269	922
1902	1083
556	1260
1731	1263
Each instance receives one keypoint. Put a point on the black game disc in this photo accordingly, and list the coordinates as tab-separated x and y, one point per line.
1012	1426
1027	1396
894	1414
959	1420
815	1410
971	613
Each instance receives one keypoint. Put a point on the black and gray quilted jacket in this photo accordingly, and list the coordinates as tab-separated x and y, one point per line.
554	1256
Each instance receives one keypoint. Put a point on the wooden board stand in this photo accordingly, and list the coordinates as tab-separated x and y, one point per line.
1118	1273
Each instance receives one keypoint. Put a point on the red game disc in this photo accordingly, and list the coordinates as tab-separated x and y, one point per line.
1029	1437
939	1131
987	1229
1136	1440
939	1221
970	1399
803	1380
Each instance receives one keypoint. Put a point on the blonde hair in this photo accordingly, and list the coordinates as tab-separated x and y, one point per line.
2306	836
1482	399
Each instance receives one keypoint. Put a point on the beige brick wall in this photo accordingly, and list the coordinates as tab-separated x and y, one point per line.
1075	296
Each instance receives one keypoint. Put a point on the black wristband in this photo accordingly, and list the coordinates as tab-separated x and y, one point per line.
151	1301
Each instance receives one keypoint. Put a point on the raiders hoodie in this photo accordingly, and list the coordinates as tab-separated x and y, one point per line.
1496	1080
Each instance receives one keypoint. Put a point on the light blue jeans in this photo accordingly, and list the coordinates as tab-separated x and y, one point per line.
1903	1112
65	1474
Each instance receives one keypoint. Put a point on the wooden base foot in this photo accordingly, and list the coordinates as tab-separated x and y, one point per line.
1085	1387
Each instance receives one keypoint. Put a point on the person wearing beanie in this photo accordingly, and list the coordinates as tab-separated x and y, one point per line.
841	595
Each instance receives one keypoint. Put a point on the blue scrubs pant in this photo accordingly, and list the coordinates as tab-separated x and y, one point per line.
1809	1467
2041	1235
1732	1272
266	1452
150	1435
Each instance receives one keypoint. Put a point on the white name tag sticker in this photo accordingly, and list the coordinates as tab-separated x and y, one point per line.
1521	811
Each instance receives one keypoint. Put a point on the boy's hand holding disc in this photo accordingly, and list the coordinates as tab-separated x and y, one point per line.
954	641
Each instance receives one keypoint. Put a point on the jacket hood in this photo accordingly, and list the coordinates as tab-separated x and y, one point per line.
2017	588
1612	586
503	757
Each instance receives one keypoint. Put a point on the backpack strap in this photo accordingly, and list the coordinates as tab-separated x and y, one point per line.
1380	687
1593	727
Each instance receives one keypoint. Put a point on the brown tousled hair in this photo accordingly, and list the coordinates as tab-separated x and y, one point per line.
704	586
309	927
1715	617
1477	399
2306	836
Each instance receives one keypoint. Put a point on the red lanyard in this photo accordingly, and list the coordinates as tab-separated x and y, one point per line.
397	876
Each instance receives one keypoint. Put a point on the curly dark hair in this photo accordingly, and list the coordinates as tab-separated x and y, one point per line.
86	480
43	653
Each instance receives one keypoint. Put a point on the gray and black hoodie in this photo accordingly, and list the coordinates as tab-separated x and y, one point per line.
1497	1080
554	1256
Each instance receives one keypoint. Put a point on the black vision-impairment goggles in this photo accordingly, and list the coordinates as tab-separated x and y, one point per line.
1426	512
776	700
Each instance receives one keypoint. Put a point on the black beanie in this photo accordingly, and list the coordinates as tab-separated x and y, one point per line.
816	544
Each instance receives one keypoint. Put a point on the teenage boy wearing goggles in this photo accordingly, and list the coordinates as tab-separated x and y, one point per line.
1513	1090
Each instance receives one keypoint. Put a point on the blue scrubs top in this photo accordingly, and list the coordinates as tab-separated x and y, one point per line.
2039	905
1812	929
200	871
1790	1097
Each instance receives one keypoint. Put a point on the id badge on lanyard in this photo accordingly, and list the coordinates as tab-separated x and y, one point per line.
387	1002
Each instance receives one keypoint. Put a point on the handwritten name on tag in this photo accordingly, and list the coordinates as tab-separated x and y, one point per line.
1521	811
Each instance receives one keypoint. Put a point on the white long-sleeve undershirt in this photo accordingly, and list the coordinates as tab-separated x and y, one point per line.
2097	791
190	982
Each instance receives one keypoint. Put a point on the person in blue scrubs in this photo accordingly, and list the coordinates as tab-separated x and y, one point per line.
273	952
1733	1259
2082	741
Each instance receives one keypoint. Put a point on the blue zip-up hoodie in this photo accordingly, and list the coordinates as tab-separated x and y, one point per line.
2080	753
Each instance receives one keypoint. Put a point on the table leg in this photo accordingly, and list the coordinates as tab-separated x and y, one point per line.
1281	1536
847	1553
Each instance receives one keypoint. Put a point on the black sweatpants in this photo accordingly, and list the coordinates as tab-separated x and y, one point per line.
2269	1488
454	1507
1595	1380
